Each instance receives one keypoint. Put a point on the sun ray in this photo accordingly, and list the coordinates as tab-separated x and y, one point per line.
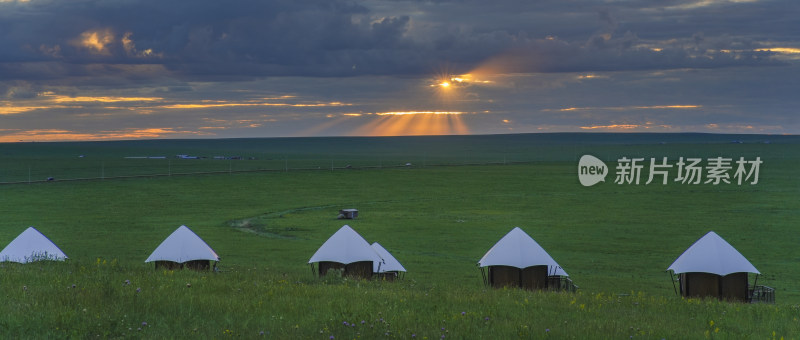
412	123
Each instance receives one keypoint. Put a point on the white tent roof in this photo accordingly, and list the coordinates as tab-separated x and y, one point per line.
181	246
390	264
31	246
712	254
518	249
345	246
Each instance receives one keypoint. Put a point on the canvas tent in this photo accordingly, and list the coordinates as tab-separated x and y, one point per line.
390	268
711	267
31	246
183	248
518	261
347	251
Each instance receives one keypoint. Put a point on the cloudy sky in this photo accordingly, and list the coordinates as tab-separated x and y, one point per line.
128	69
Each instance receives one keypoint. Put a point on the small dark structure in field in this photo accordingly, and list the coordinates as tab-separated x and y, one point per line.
518	261
183	249
348	214
348	252
711	267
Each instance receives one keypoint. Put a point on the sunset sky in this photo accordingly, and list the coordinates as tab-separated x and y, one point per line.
132	69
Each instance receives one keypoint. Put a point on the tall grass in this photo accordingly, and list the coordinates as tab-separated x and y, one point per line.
105	299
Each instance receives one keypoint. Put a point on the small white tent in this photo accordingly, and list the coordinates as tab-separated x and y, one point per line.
183	246
31	246
712	267
712	254
518	249
390	264
346	250
517	260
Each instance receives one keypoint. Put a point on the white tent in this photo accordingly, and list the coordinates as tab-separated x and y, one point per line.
31	246
712	254
346	246
181	246
518	249
390	264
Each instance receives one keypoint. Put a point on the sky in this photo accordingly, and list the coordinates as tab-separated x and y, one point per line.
151	69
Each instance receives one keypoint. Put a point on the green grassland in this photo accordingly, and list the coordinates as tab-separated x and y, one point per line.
265	217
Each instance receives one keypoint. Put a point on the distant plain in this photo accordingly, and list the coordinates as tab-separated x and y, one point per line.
437	203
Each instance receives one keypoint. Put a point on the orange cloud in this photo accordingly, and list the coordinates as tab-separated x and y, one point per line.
623	108
130	48
101	99
12	110
96	41
56	135
627	127
612	127
206	105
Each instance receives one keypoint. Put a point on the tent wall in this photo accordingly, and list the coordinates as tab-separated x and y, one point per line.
504	276
168	265
734	287
193	265
362	269
324	266
699	285
198	265
729	287
534	277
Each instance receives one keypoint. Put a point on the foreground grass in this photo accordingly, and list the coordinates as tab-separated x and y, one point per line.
104	299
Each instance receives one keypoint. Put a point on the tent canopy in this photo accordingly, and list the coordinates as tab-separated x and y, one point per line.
518	249
31	246
712	254
346	246
181	246
390	264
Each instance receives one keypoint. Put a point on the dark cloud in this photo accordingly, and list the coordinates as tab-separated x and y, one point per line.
738	60
243	39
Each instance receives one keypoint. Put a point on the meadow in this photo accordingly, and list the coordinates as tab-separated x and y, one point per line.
267	213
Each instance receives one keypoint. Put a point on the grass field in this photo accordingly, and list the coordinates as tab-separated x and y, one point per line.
265	222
